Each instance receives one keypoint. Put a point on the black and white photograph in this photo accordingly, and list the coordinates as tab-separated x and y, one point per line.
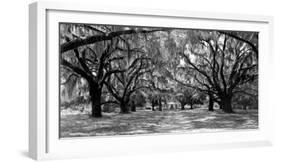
136	80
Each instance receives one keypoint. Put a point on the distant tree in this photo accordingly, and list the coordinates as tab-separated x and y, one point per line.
159	83
246	96
124	84
182	99
188	96
139	98
154	100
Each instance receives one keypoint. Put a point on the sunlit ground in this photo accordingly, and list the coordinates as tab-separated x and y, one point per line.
147	122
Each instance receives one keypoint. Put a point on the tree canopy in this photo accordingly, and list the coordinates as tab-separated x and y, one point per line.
122	64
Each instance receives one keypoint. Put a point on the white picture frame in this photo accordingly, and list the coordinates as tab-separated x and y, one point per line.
43	66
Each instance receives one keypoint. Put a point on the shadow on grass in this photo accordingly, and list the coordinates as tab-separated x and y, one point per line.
143	122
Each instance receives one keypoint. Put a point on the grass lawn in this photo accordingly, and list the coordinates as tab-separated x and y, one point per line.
146	122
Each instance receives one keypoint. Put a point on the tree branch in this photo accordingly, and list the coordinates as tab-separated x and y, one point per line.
98	38
255	49
69	77
75	69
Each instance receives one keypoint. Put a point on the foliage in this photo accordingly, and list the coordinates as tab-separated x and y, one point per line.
124	67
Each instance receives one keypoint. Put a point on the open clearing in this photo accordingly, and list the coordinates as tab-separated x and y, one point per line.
147	122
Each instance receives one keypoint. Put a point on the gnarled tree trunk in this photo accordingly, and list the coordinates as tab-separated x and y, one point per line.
226	105
153	109
160	104
124	107
133	106
95	96
211	103
182	106
191	106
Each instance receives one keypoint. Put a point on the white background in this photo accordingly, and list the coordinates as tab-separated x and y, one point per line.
14	80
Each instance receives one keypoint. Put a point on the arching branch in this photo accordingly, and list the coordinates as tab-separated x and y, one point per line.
98	38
